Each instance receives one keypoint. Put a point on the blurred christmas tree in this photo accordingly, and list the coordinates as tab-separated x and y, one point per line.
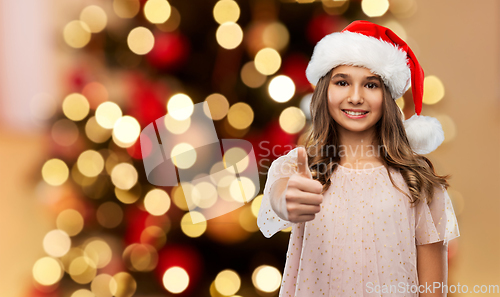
117	234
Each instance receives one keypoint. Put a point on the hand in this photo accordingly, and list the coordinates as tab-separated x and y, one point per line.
303	194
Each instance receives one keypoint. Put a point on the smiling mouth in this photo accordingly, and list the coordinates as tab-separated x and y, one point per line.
354	113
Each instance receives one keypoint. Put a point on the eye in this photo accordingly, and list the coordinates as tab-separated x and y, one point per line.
372	85
341	83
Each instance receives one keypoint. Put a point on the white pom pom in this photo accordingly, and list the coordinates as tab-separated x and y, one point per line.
424	133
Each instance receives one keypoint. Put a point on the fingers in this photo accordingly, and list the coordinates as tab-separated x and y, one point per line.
303	167
304	184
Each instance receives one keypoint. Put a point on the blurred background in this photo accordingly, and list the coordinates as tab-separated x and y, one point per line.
80	79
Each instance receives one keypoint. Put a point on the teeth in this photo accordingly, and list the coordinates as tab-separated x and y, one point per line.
355	113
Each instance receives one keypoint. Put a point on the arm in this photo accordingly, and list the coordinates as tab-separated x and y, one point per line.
432	266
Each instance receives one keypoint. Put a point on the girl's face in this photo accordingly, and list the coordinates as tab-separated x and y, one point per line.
355	89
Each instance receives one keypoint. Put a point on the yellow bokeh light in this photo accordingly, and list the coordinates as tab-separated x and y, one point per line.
196	229
140	40
433	90
292	120
157	202
109	215
176	126
240	115
157	11
236	156
180	106
128	196
267	61
449	127
47	271
126	130
90	163
140	257
107	114
75	107
125	285
256	202
242	190
247	220
226	11
81	271
375	8
124	176
204	194
101	285
98	252
216	107
336	7
281	88
77	34
276	36
155	236
229	35
227	282
56	243
403	8
251	77
179	198
70	221
173	21
126	9
95	17
96	132
266	278
175	279
55	172
183	155
83	293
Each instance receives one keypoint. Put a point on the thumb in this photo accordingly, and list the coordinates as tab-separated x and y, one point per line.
303	167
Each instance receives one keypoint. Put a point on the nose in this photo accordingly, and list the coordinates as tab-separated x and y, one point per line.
356	95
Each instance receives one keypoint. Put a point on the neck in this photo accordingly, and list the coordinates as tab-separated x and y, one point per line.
358	147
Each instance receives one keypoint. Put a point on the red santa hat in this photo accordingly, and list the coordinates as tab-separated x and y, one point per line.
377	48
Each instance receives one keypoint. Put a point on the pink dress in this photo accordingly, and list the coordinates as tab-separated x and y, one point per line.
363	241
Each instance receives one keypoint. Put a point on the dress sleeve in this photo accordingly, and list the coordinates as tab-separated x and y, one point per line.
268	221
436	221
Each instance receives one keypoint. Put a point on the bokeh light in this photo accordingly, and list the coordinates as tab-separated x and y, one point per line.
124	176
403	8
292	120
101	285
98	252
375	8
96	132
140	257
47	271
90	163
173	21
226	11
267	61
227	282
175	126
175	280
128	196
204	194
125	285
256	202
240	115
65	132
276	36
107	114
75	107
141	40
55	172
157	11
109	215
433	90
449	127
229	35
183	155
56	243
157	202
77	34
236	156
266	278
126	9
217	106
70	221
281	88
83	293
126	131
251	77
180	106
95	17
242	189
196	229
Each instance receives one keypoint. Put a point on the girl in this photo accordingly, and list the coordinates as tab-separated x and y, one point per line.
369	215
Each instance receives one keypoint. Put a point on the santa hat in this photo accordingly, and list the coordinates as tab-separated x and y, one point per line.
377	48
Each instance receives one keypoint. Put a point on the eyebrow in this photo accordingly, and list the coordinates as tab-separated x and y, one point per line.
343	75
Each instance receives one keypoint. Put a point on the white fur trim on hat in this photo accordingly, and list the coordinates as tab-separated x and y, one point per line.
349	48
424	133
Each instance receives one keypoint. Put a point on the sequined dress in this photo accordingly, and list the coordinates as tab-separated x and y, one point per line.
363	241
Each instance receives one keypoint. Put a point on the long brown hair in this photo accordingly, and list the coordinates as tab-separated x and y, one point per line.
390	138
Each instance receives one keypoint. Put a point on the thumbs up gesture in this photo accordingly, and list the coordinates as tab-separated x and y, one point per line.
303	194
